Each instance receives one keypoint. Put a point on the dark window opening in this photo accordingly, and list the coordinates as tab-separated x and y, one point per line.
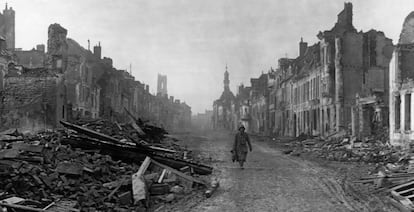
407	110
397	112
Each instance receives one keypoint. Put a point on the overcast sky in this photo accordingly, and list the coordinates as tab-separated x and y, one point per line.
191	41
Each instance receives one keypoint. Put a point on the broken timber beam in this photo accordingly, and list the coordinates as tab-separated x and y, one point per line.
113	145
21	207
134	123
178	173
178	163
139	188
89	132
103	137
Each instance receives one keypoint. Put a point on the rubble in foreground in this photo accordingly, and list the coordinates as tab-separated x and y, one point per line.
73	170
391	173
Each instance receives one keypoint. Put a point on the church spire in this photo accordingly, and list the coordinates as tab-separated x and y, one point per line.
226	80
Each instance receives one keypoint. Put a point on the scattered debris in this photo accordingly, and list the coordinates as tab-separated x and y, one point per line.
96	166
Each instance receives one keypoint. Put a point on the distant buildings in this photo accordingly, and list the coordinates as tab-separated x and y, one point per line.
202	121
7	27
39	88
222	107
337	84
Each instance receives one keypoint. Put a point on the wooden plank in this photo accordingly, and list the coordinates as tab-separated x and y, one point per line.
134	123
22	207
144	166
89	132
179	163
164	171
137	128
401	186
119	126
178	173
108	140
63	206
109	197
398	205
139	188
405	191
13	200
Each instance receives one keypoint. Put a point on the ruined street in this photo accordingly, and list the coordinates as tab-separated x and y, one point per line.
271	181
136	106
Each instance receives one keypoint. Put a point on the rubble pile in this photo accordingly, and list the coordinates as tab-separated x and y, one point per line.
46	171
83	169
150	133
396	180
370	149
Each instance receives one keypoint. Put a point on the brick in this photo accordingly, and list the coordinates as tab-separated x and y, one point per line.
28	147
69	168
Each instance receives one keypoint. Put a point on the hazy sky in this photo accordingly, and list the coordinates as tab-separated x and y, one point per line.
191	41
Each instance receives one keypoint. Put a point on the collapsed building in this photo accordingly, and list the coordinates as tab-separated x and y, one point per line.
337	84
70	82
401	119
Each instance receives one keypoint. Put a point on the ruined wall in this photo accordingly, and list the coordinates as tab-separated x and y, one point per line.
401	87
31	103
352	62
407	32
31	59
407	66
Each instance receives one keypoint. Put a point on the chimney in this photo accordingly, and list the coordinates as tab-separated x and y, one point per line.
147	88
345	18
171	99
97	50
302	47
177	101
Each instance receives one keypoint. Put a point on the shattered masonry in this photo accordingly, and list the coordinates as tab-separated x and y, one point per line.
337	84
402	86
38	88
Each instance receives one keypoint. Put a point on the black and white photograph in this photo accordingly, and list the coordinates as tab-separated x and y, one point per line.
206	106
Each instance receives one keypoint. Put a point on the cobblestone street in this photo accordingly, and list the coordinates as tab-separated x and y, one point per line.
271	181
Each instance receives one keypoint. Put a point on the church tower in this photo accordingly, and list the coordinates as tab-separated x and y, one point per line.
9	27
162	85
226	80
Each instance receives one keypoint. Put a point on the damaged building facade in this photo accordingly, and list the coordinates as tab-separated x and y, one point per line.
339	84
73	82
401	118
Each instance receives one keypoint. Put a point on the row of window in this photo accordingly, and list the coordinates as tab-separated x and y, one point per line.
307	91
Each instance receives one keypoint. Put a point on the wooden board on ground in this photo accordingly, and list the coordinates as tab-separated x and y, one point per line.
139	189
178	173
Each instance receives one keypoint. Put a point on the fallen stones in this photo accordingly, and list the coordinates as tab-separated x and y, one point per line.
69	168
44	170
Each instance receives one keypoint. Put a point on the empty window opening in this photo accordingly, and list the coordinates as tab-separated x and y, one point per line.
407	110
397	112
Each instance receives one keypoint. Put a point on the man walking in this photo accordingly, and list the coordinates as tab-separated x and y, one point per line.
241	143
